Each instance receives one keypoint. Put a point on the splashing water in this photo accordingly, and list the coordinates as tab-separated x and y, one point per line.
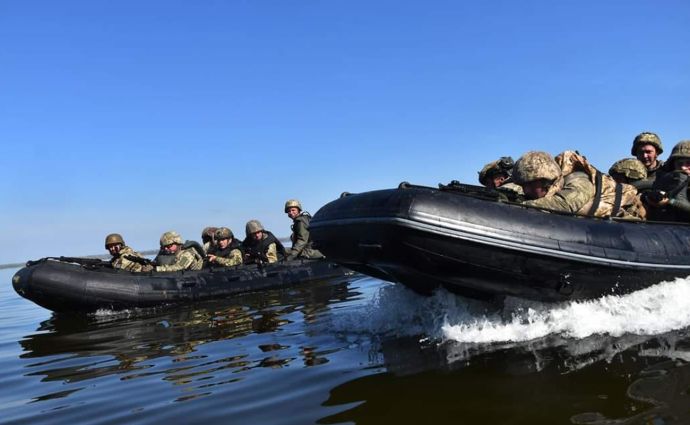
396	311
661	308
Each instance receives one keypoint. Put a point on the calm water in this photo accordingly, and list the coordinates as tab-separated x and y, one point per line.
358	351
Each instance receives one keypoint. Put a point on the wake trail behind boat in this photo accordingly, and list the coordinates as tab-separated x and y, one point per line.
396	311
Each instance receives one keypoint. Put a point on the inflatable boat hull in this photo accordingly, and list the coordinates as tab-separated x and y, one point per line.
67	287
425	238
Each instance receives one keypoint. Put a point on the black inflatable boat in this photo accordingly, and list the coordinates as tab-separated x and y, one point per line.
468	240
64	286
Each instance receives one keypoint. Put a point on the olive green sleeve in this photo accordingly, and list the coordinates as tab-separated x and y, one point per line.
300	239
576	193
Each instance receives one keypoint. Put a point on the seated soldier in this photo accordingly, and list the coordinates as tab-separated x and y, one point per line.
668	201
499	174
647	147
301	240
630	171
117	248
260	245
182	258
208	238
227	250
569	184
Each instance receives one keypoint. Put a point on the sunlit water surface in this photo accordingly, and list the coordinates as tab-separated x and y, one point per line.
354	351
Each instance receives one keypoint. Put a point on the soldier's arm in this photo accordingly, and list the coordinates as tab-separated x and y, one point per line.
576	193
680	201
301	239
272	253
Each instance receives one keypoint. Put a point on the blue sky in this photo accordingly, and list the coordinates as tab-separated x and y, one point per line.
142	117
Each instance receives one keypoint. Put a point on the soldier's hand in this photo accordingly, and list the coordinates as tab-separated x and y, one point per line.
211	258
147	268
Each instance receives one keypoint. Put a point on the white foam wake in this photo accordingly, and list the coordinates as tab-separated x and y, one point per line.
655	310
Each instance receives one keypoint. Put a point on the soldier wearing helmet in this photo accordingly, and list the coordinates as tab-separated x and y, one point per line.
302	245
669	198
647	147
208	238
545	186
499	174
630	171
182	256
261	246
227	250
120	251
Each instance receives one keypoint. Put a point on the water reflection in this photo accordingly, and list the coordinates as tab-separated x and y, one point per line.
204	345
597	380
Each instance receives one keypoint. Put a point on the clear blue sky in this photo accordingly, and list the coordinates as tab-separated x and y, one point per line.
145	116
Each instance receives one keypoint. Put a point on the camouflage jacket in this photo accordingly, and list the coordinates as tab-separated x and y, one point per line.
120	262
230	256
576	192
301	240
185	259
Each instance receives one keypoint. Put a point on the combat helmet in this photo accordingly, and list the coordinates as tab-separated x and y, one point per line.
646	138
112	239
681	150
224	233
503	165
536	165
253	226
630	168
169	238
293	203
208	233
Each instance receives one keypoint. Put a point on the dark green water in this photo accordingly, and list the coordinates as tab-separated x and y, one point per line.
359	351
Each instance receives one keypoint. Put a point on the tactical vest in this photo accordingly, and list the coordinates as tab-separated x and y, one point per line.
224	253
256	250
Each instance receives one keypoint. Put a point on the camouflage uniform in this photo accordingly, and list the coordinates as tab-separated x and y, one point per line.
185	258
120	262
649	138
232	254
504	166
573	187
208	238
575	193
301	241
267	249
675	184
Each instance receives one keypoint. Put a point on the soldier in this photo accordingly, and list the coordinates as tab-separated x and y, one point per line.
117	248
208	238
647	147
184	258
498	174
669	198
301	240
630	171
227	251
260	245
569	184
